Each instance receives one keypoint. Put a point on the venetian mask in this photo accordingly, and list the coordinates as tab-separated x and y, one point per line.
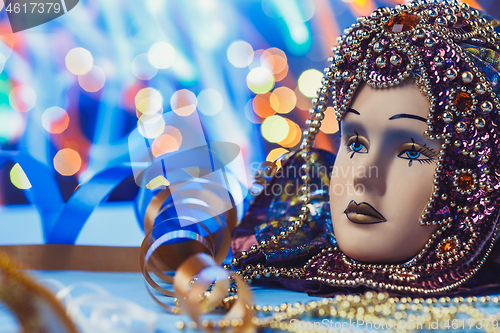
374	217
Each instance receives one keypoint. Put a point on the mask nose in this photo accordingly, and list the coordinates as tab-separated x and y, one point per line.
369	173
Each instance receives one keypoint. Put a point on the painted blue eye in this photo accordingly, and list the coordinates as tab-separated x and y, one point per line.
413	151
412	154
356	146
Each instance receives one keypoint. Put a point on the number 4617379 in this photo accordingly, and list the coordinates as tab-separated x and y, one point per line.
34	7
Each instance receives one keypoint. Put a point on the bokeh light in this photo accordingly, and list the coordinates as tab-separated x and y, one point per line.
296	11
260	80
169	141
303	103
93	80
7	42
210	102
329	125
250	112
183	102
22	98
79	61
309	82
307	9
11	124
2	62
157	182
275	128
163	144
67	162
151	126
174	132
185	70
55	120
148	101
361	7
275	154
240	54
283	100
300	36
281	75
128	93
142	68
18	177
161	55
257	56
269	8
262	105
293	137
275	60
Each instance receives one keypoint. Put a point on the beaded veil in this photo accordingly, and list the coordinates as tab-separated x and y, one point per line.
453	52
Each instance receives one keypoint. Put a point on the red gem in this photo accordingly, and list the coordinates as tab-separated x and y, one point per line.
448	247
406	275
463	102
465	181
402	22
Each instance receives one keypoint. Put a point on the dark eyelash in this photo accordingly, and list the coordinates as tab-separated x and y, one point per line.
427	151
426	161
349	150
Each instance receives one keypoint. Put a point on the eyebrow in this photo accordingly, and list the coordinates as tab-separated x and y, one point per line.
396	116
409	116
353	111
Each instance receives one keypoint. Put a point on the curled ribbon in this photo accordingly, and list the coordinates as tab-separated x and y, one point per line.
206	270
162	253
195	250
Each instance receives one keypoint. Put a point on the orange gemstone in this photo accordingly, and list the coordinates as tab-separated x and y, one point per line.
465	181
463	102
448	247
401	23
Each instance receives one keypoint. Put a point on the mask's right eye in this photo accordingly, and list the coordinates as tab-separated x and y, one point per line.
357	145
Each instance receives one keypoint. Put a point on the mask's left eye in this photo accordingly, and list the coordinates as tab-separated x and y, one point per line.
413	151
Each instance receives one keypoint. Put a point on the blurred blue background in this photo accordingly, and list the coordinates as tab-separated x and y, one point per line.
73	89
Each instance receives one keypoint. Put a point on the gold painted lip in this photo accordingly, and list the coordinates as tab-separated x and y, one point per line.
363	213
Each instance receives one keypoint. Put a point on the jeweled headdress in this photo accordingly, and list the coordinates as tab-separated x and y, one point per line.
452	52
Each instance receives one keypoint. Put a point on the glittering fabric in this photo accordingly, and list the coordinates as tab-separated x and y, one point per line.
278	206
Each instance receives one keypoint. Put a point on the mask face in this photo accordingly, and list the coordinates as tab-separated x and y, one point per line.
383	175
